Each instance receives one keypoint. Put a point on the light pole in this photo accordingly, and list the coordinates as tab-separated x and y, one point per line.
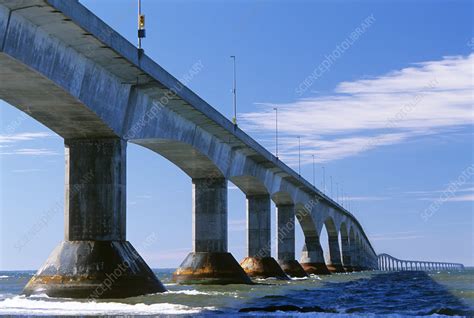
342	194
314	174
299	155
331	185
276	131
141	25
337	192
324	180
234	91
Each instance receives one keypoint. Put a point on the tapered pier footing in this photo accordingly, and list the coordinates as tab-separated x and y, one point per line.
94	269
212	268
292	268
335	268
263	267
348	269
316	268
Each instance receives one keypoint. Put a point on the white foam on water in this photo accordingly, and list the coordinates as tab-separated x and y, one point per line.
299	278
189	292
315	276
194	292
21	305
264	279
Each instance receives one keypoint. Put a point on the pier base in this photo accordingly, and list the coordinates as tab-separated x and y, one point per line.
263	267
95	260
316	268
292	268
94	269
348	269
212	268
335	268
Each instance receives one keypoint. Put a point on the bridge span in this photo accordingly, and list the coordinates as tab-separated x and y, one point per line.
387	262
64	67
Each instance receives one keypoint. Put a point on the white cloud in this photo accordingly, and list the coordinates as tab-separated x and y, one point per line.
31	152
423	99
23	137
465	194
409	235
7	140
26	170
462	198
369	198
454	198
396	238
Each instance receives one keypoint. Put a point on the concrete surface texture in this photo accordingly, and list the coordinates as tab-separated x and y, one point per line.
64	67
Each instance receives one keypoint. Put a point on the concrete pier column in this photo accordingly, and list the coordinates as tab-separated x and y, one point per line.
346	253
335	265
259	263
356	256
95	260
209	262
286	241
312	257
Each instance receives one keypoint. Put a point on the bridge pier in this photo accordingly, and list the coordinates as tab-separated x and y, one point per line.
209	262
286	241
95	260
312	257
346	253
356	256
335	265
259	263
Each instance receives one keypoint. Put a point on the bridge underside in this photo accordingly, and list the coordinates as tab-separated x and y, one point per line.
186	157
64	67
49	104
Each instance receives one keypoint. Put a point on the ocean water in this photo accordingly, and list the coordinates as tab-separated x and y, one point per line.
369	294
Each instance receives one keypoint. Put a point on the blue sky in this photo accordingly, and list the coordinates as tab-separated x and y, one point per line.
389	119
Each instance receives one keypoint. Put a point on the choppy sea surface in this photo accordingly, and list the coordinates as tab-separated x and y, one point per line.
369	294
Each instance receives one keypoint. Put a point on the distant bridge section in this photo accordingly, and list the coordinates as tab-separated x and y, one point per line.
389	263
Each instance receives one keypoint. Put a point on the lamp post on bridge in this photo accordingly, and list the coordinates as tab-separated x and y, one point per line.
276	131
141	26
331	185
299	156
234	92
324	180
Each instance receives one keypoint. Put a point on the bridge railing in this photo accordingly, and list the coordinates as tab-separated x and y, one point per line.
389	263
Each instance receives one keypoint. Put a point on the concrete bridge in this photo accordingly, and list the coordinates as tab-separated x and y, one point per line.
389	263
67	69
